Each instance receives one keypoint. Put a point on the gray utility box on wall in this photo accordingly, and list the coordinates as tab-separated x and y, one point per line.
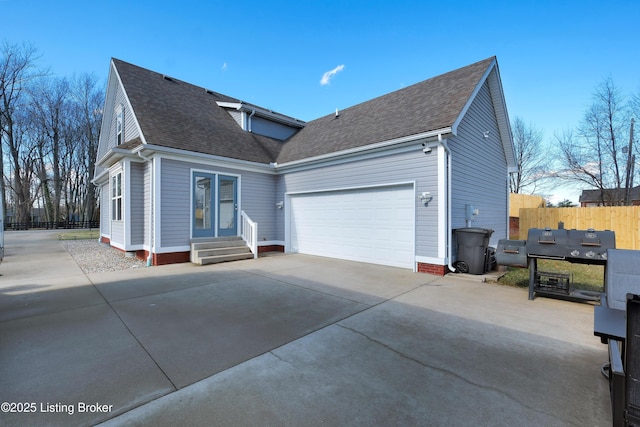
472	249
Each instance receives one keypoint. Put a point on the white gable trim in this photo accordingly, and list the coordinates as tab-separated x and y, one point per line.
466	107
502	116
128	106
492	76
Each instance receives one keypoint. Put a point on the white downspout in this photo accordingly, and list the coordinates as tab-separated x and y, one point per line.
448	230
151	211
253	112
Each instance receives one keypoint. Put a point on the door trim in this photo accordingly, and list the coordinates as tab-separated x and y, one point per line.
192	172
212	204
233	231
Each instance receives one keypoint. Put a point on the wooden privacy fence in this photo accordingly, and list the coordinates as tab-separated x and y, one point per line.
624	220
518	201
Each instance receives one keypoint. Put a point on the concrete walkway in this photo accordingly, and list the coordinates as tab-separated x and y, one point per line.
286	340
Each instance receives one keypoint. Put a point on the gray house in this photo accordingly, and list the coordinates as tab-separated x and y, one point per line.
385	182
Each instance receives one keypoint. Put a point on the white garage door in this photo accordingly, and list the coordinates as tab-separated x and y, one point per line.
370	225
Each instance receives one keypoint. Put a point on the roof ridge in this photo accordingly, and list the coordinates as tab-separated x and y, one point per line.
413	85
183	116
428	105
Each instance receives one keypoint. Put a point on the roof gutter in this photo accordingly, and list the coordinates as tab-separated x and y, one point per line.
97	179
272	115
427	136
114	152
209	158
112	156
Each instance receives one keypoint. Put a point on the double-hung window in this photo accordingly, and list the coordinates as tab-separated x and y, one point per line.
116	197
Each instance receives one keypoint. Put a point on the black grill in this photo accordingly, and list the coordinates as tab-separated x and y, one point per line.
590	246
547	243
575	246
580	246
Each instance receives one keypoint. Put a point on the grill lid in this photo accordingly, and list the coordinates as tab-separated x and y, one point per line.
590	244
547	243
571	245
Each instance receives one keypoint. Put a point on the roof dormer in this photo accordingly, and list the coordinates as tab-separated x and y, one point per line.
261	121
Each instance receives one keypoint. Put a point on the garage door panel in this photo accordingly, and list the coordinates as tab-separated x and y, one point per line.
371	225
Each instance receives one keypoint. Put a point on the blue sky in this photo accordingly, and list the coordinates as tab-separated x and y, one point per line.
551	54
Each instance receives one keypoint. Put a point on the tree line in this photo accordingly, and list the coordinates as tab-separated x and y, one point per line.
49	129
599	154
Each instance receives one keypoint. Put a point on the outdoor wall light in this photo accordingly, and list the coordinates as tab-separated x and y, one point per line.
280	204
425	197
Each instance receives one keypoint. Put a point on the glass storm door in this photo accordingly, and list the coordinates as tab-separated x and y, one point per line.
203	205
227	206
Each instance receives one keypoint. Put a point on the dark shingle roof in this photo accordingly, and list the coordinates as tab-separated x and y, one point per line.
176	114
615	195
429	105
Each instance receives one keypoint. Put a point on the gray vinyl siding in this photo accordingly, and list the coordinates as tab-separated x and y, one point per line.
257	199
271	129
262	126
130	128
479	169
137	203
117	232
175	199
409	166
148	209
105	209
237	116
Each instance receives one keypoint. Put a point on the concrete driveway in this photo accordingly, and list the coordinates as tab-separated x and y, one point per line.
285	340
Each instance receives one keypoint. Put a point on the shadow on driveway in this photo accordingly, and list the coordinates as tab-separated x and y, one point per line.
293	340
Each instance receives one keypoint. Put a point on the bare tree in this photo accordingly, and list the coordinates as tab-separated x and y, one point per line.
595	156
50	109
89	102
604	126
23	155
49	129
17	68
530	157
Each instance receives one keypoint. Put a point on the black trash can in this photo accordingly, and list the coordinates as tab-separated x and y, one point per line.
472	249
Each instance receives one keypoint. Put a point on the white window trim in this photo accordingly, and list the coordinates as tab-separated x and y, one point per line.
119	124
117	214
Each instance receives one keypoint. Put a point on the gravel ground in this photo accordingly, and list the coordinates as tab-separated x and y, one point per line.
95	257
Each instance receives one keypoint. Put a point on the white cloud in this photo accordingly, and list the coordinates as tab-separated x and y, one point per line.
224	67
326	77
